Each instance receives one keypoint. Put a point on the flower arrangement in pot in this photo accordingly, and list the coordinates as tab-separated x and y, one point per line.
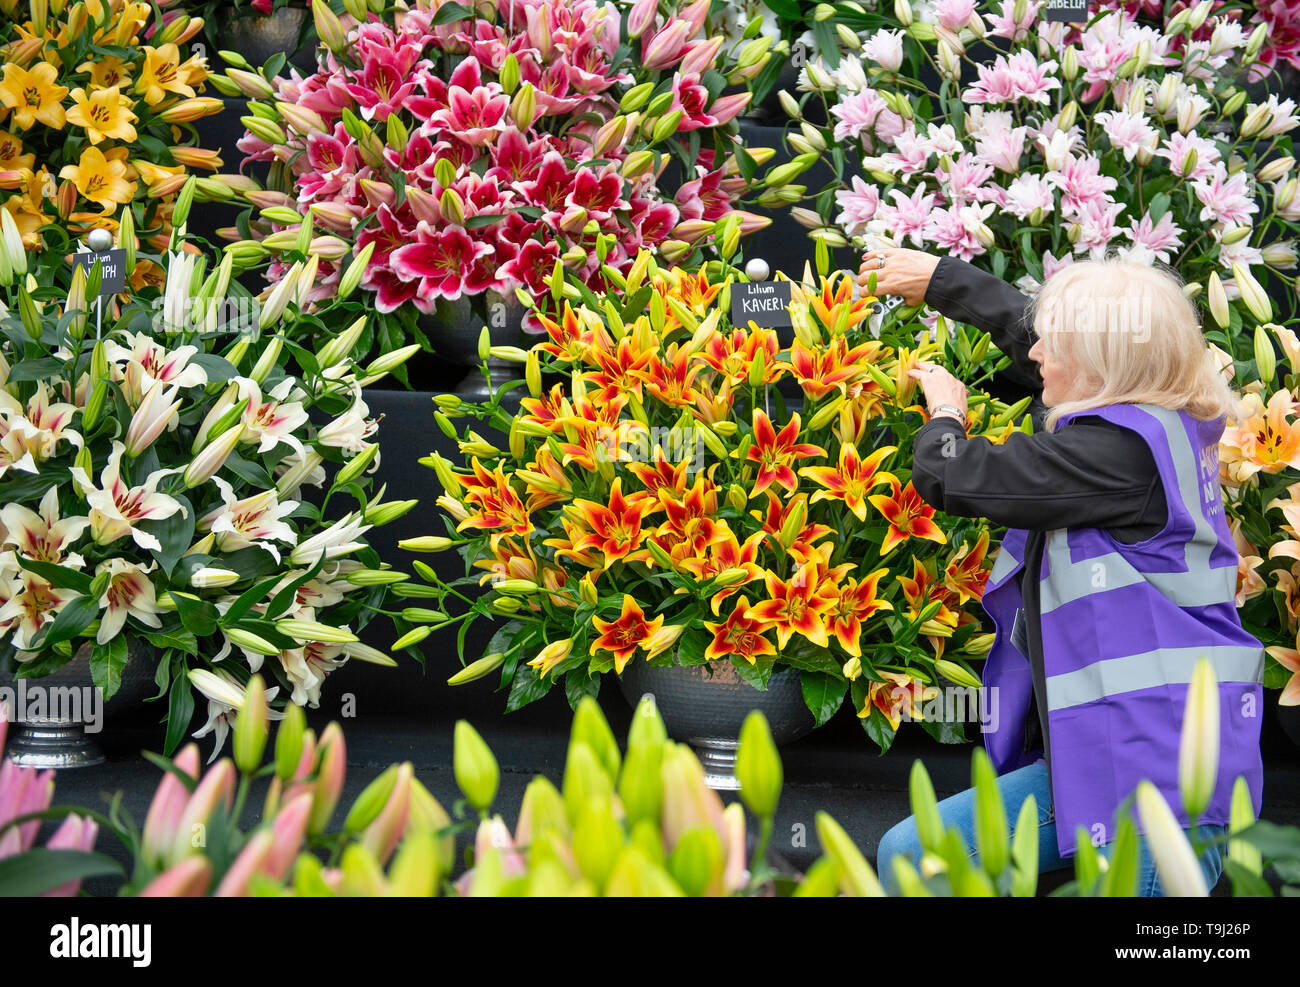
1124	140
466	152
97	106
663	504
158	489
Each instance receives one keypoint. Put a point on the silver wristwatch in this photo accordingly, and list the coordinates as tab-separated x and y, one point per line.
948	407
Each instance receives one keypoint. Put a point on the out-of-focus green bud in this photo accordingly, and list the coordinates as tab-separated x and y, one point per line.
478	669
640	787
1241	815
541	810
251	727
1198	749
426	812
758	767
597	842
371	801
990	815
696	862
856	878
909	881
475	767
415	871
591	728
821	881
1121	877
925	808
584	779
289	741
647	725
1024	850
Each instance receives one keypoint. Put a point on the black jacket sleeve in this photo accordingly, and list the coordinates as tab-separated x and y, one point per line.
1091	473
963	292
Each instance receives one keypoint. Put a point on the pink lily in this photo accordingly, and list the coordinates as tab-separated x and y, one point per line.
255	520
216	788
22	792
665	47
329	780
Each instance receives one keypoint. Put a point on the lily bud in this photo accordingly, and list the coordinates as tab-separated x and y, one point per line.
478	669
523	108
1217	297
216	789
341	345
856	878
647	725
758	767
1256	299
251	726
585	779
328	26
640	787
1176	863
475	767
1241	815
1198	749
329	779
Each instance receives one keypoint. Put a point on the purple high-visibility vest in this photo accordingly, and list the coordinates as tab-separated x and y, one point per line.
1123	627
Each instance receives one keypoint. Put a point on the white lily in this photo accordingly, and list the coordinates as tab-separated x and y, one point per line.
255	520
225	698
43	536
176	296
273	420
129	594
350	430
156	414
28	610
1179	870
336	540
297	469
147	362
116	510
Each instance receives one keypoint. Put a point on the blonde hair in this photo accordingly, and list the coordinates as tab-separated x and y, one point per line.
1132	334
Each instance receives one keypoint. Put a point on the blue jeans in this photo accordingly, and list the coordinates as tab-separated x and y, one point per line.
1016	786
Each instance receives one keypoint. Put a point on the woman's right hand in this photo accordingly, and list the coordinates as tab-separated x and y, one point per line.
906	272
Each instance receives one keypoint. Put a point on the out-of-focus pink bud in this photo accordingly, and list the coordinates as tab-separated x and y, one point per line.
217	787
688	801
269	199
727	108
380	193
382	836
641	17
165	810
666	47
74	833
288	829
494	835
251	861
691	230
734	876
329	780
188	879
694	15
701	56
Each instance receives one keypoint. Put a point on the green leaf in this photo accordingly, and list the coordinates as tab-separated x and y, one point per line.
218	368
74	618
248	471
945	731
29	874
879	730
180	709
253	594
58	575
174	533
578	682
483	219
106	664
1246	883
691	646
199	616
450	12
42	369
180	639
527	687
282	600
756	674
822	694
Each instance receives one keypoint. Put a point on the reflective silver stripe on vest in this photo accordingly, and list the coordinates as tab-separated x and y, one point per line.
1199	586
1004	563
1150	670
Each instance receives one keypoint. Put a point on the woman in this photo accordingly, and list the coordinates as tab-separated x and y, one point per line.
1118	572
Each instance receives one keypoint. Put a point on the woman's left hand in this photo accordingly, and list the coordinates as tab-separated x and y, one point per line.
940	387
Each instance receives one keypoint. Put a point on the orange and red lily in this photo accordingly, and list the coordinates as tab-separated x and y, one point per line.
965	574
908	516
852	479
723	554
799	603
821	371
740	634
899	694
857	603
570	339
615	528
623	636
775	453
835	297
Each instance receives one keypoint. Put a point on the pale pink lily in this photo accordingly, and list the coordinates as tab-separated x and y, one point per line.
129	594
273	420
165	810
117	510
31	435
74	833
885	48
308	666
44	536
256	520
350	430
